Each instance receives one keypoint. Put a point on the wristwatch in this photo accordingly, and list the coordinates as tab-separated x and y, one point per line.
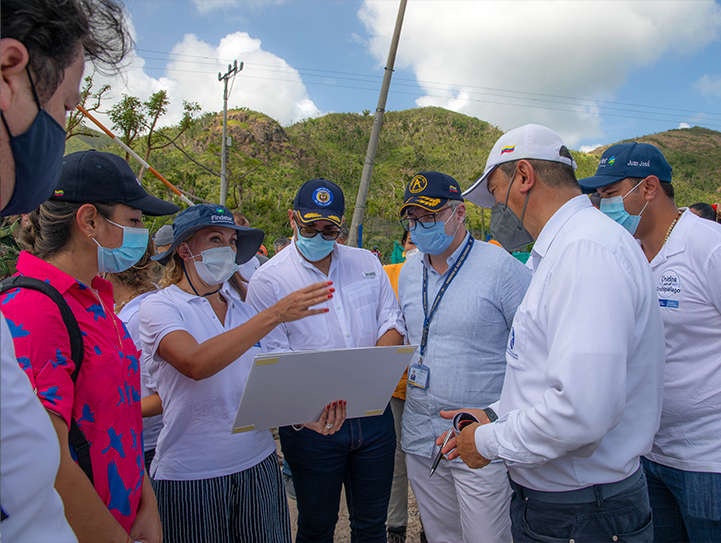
491	414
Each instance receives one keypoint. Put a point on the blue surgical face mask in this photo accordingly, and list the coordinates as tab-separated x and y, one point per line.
614	208
434	240
315	248
38	155
135	243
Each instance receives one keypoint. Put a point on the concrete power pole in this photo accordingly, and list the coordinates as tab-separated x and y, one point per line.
223	180
360	202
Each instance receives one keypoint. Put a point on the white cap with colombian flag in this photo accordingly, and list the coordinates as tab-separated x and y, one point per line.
531	141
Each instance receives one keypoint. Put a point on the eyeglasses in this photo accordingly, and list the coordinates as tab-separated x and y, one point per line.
327	234
426	221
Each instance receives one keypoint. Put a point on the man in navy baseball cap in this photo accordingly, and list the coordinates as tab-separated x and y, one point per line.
363	312
629	176
684	252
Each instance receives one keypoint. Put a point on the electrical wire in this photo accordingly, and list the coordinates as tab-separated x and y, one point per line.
435	85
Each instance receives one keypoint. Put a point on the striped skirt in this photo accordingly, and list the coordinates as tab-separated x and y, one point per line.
247	507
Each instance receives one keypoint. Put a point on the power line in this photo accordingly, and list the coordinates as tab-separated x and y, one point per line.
670	117
450	86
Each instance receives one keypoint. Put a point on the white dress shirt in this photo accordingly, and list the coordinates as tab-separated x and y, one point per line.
582	396
363	307
687	271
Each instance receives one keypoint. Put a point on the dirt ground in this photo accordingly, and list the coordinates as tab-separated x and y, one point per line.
342	529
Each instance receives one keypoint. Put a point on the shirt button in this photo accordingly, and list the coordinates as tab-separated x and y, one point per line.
337	307
347	335
615	538
571	541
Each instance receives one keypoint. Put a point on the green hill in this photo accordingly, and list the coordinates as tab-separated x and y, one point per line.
268	162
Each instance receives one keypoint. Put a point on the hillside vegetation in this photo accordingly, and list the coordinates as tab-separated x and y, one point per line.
267	162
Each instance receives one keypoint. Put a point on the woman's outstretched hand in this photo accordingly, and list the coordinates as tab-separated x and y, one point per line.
297	305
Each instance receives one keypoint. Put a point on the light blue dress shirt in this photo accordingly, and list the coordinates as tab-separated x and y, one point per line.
466	340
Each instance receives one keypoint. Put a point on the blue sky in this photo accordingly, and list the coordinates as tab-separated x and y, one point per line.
595	71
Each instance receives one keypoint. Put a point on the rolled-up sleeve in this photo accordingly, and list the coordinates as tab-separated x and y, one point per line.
389	315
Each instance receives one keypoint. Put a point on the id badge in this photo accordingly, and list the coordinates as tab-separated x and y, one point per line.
418	375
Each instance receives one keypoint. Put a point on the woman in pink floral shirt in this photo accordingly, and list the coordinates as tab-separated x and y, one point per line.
71	241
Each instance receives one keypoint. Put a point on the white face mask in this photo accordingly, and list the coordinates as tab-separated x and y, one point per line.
217	265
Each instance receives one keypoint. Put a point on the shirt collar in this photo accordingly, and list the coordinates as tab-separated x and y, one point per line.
33	266
551	229
451	260
676	242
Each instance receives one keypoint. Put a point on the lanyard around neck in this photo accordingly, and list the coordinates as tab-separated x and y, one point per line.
451	275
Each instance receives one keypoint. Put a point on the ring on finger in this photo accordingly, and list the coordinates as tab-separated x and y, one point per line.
329	425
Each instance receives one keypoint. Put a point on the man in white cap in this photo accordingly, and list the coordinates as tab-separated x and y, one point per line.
581	400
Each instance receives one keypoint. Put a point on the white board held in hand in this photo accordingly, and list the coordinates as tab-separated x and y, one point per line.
294	387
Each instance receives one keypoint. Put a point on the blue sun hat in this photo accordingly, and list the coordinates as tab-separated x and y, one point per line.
202	216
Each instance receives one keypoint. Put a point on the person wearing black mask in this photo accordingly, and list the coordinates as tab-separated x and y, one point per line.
43	47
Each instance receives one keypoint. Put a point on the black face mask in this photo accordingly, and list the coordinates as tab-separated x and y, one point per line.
506	228
38	155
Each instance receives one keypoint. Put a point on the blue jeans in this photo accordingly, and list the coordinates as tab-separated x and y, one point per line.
361	456
686	504
627	515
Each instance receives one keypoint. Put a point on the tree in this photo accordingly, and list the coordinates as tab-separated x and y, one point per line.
74	125
128	116
156	107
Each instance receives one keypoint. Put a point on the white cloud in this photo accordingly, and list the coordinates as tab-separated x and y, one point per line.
684	125
282	96
589	148
709	85
577	49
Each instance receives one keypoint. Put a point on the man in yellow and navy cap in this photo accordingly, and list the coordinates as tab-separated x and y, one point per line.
459	297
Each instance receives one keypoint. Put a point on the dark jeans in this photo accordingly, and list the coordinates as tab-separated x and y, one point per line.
623	517
686	504
361	456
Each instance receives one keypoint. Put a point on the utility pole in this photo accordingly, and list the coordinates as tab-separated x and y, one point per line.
232	70
360	202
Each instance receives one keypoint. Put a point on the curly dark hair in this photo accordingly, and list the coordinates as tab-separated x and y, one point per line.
51	30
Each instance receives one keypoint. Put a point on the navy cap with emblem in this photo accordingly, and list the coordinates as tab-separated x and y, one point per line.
431	191
637	160
202	216
96	177
320	200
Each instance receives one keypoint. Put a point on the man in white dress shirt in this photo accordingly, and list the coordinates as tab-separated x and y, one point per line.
581	400
358	453
684	466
